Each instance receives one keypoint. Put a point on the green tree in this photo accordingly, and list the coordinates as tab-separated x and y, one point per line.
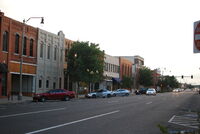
145	77
127	82
168	82
85	62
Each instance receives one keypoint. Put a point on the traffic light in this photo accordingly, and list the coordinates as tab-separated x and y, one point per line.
191	76
182	76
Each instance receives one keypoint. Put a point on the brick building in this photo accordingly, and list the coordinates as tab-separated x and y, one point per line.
10	55
68	46
125	67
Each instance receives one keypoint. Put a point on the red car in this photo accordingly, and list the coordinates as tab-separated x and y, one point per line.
54	94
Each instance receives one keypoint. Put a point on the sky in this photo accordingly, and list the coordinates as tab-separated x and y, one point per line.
160	31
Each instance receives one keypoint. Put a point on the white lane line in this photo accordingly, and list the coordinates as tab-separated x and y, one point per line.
113	101
185	122
172	119
73	122
36	112
148	103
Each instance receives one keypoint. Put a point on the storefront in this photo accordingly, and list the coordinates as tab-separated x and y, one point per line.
3	79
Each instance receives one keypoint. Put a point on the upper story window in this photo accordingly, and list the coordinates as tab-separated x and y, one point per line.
24	46
41	49
66	54
55	53
61	55
17	43
5	41
48	52
104	67
31	47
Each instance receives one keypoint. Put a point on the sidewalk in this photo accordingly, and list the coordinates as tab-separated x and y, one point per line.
14	100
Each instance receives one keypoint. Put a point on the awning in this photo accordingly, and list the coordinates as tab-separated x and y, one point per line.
116	79
3	68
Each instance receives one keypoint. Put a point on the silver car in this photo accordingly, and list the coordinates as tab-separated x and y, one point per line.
151	91
91	95
121	92
104	93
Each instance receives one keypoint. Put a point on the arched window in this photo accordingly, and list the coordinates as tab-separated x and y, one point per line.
5	41
61	55
41	49
48	52
31	47
17	43
55	53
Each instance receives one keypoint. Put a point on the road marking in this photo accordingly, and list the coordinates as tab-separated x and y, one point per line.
36	112
185	121
73	122
148	103
113	101
172	118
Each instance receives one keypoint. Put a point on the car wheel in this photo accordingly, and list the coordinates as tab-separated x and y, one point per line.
66	98
43	99
108	95
126	94
114	94
94	96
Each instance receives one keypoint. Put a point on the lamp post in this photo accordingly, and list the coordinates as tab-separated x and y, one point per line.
91	77
21	56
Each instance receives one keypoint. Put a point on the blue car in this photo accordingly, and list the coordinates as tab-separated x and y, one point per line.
121	92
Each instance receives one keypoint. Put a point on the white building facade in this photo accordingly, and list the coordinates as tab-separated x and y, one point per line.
50	61
111	72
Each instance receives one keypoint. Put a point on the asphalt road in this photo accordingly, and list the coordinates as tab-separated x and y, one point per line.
117	115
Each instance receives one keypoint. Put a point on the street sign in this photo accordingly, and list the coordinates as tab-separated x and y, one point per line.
196	44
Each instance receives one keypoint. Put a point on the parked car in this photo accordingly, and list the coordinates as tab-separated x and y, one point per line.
121	92
91	95
54	94
175	90
151	91
104	93
141	91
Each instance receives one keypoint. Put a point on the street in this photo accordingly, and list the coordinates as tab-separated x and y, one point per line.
116	115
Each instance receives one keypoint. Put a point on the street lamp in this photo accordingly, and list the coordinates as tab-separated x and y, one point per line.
21	58
91	74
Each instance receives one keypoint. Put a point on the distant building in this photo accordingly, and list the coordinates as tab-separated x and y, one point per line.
125	67
111	73
137	62
50	68
10	56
